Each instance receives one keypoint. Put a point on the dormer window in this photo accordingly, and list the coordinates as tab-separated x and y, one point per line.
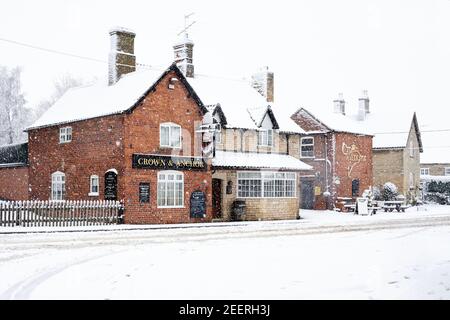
265	138
170	135
65	135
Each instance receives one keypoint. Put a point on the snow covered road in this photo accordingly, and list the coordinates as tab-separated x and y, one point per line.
345	257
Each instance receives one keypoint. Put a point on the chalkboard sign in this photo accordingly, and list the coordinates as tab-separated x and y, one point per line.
144	192
111	185
198	204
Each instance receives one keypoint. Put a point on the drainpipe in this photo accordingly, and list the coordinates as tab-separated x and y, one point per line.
327	193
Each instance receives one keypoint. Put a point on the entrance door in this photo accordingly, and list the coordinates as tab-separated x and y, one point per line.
307	193
217	198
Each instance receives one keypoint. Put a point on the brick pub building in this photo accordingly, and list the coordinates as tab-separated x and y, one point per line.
137	139
134	139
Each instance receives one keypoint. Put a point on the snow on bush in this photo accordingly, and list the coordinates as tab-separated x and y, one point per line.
377	193
390	191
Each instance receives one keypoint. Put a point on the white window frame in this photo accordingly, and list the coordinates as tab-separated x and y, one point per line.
263	138
425	171
411	149
267	179
93	193
58	181
65	135
445	171
169	125
309	144
163	182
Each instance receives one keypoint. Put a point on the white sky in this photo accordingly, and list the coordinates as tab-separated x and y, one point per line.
398	50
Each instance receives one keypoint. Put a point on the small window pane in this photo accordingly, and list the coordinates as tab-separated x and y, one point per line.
175	137
164	136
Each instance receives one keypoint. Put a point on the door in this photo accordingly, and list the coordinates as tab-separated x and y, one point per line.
307	194
355	188
217	198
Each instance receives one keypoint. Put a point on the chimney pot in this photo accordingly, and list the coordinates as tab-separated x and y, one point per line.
339	104
263	82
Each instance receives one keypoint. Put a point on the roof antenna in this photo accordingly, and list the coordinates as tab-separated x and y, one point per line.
186	26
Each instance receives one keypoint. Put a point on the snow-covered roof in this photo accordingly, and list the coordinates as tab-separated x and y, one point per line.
390	128
242	105
336	121
429	178
98	99
229	159
14	155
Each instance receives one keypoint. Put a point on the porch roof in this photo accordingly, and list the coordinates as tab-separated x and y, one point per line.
251	160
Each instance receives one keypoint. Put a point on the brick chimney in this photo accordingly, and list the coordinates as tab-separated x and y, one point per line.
339	104
263	82
184	52
363	106
121	57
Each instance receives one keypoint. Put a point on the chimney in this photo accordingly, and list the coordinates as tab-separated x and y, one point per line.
121	57
184	52
339	104
263	82
363	108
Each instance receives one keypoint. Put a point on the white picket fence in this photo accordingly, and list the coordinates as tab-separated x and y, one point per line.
60	213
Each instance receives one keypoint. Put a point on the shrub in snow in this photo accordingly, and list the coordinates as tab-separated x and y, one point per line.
377	194
390	191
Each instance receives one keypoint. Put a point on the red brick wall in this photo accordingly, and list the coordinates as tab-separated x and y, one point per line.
14	183
340	164
354	165
97	145
142	136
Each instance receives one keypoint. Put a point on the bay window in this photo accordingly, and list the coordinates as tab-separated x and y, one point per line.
266	184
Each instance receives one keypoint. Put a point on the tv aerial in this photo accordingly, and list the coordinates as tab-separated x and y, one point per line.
187	25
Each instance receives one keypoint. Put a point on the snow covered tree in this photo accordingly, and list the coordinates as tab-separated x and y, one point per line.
14	116
389	192
62	84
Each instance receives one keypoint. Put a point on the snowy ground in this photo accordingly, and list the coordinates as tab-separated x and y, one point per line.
325	255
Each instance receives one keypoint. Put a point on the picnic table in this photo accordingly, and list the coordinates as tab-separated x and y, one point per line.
395	205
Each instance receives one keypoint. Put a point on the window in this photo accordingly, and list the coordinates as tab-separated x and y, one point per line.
94	186
307	148
425	171
447	171
411	149
170	189
266	184
58	186
265	138
170	135
65	134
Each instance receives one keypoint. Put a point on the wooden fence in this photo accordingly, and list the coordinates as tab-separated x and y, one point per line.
60	213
